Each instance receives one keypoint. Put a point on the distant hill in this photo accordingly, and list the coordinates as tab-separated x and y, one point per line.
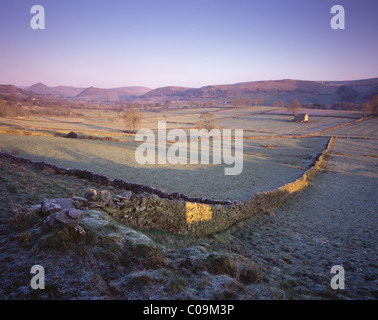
59	91
10	89
285	90
166	92
131	91
320	92
93	93
90	93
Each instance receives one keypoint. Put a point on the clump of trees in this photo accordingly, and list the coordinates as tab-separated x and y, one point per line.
278	104
210	103
10	109
246	102
316	106
351	106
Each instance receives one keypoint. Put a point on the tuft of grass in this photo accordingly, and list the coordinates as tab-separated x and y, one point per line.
148	257
249	273
60	239
221	264
141	279
177	282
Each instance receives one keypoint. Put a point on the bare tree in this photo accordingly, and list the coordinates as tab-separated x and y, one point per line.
236	102
132	118
248	102
293	106
206	121
370	107
278	104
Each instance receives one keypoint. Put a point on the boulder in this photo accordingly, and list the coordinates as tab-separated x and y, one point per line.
79	202
80	199
67	217
49	206
91	194
105	196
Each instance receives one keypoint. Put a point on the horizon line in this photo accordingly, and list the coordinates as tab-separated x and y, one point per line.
165	86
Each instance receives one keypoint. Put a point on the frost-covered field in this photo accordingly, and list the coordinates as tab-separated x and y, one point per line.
281	124
267	164
332	222
366	128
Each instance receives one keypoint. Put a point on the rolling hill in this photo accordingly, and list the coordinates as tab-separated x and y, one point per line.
87	94
321	92
285	90
59	91
92	93
10	90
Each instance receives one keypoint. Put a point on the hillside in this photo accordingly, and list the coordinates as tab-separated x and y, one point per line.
286	90
130	91
93	93
59	91
10	89
321	92
164	92
88	94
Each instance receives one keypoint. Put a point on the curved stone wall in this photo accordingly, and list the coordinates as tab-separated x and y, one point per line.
151	208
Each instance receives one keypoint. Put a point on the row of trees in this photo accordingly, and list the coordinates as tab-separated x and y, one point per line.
292	106
160	106
133	117
8	109
370	107
15	109
246	102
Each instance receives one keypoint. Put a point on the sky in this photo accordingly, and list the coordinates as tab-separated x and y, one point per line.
191	43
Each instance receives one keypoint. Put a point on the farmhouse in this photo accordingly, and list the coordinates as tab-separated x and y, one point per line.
301	117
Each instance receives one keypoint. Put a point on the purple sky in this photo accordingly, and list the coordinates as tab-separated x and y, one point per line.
190	43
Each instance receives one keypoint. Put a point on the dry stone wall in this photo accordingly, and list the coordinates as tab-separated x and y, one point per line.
150	208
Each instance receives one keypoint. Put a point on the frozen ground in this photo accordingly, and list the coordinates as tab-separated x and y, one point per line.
268	164
333	222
